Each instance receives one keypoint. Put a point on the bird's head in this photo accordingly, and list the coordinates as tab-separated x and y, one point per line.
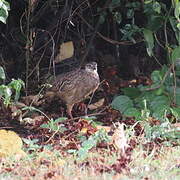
91	67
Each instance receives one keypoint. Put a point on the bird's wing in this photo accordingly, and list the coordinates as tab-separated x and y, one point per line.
67	81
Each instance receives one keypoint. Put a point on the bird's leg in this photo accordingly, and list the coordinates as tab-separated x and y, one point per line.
69	109
89	103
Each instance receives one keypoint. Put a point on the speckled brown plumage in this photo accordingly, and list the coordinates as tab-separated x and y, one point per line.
77	85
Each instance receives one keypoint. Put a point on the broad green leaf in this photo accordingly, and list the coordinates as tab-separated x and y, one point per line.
175	54
159	91
156	76
155	22
132	112
160	111
131	92
149	38
2	73
122	103
159	102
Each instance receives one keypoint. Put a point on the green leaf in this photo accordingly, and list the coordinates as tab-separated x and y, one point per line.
159	102
5	93
156	76
176	112
159	91
149	38
61	119
17	86
130	13
157	7
155	22
131	92
122	103
161	111
175	54
176	28
4	8
132	112
177	10
2	73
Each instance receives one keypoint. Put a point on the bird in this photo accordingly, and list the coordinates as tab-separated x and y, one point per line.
75	86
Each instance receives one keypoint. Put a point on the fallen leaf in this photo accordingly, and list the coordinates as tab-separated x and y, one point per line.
84	130
106	128
97	104
32	100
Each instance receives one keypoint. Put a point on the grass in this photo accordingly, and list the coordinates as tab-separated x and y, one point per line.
162	163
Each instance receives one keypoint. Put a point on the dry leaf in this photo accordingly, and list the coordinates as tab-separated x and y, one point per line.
106	128
10	144
84	130
66	51
119	139
97	104
32	100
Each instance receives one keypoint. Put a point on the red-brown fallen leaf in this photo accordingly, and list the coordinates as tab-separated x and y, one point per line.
121	164
153	121
86	126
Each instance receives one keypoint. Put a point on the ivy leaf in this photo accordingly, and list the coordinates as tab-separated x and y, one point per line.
159	101
122	103
149	38
131	92
175	54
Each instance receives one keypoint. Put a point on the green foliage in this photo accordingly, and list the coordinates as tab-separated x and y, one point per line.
2	74
163	131
122	103
156	102
4	8
129	31
53	125
148	35
176	54
16	85
92	141
7	92
32	144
